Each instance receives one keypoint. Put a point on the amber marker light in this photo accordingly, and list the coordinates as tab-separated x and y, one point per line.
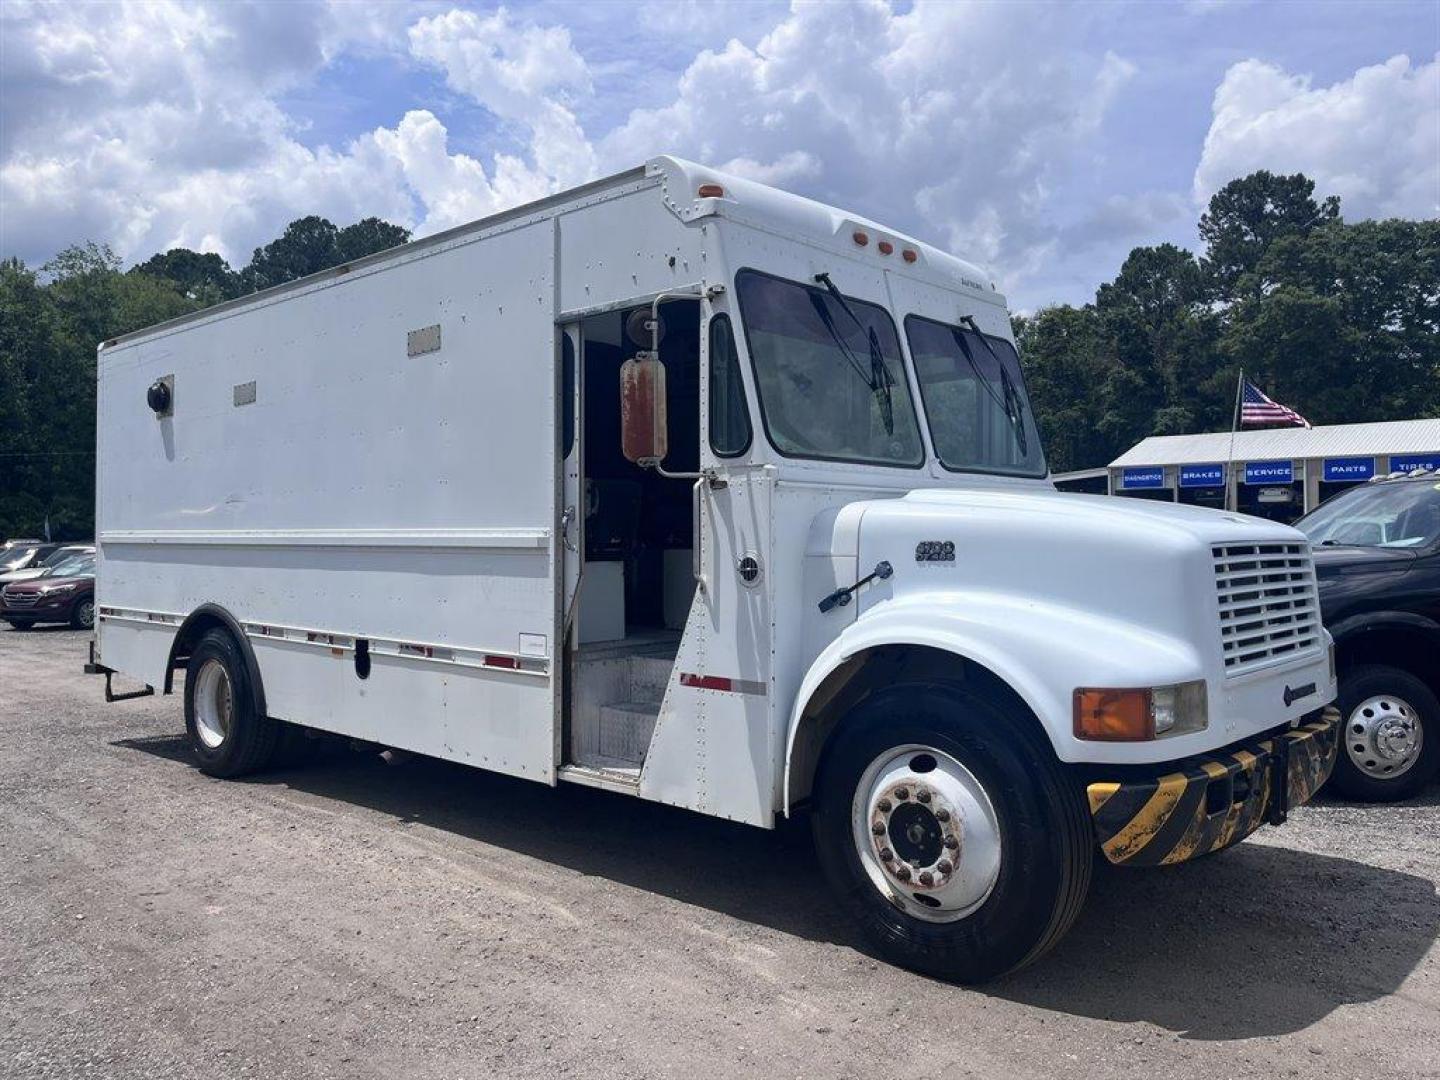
710	191
1114	715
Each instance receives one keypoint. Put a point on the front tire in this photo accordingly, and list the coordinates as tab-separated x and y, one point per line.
20	624
82	615
227	733
1390	745
951	832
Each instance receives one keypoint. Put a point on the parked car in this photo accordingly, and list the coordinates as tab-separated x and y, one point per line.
21	554
65	595
1377	561
60	555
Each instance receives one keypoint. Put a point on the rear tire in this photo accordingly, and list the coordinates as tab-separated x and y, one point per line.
902	757
1390	741
227	733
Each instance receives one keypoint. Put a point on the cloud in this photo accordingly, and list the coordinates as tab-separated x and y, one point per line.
953	121
1372	139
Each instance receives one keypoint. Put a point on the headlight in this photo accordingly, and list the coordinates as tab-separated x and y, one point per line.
48	589
1141	714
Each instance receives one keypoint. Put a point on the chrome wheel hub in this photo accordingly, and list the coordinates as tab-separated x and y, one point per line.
926	833
214	703
1383	736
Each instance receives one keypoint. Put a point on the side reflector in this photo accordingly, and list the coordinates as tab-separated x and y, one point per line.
1114	715
885	247
860	238
710	191
909	255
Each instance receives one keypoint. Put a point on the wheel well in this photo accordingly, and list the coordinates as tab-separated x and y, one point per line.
870	670
197	624
1409	648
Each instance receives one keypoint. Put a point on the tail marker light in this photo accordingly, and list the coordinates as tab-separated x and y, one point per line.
860	237
885	247
909	255
710	191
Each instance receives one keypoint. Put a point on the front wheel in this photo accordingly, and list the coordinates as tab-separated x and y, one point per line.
1391	737
227	732
951	832
20	624
82	616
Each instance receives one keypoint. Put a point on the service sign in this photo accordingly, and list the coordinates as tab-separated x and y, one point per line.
1406	462
1343	469
1269	472
1195	476
1142	476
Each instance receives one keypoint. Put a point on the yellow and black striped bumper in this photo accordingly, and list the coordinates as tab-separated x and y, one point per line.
1216	800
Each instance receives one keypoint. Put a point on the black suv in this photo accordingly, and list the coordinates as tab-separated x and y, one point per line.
1377	558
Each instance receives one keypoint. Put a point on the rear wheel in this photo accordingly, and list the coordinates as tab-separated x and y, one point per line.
1391	734
227	733
951	833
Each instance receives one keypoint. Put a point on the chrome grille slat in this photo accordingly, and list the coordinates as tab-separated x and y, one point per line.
1269	608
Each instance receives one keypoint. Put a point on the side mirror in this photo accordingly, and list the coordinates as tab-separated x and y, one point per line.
644	428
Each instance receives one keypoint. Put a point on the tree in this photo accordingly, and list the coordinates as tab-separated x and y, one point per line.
1248	215
311	244
367	237
200	276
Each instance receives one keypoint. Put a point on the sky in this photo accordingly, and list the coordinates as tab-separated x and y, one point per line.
1041	140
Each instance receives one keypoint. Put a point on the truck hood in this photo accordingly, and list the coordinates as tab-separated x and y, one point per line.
1148	565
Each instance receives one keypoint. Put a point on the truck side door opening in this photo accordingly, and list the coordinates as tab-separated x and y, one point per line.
637	582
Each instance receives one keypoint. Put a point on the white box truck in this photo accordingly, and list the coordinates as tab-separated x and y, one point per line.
696	491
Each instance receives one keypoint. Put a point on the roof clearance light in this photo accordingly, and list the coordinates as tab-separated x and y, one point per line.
885	247
710	191
860	238
909	255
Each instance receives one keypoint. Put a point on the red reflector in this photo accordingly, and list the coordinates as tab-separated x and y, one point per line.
885	247
510	662
860	238
908	255
710	191
705	682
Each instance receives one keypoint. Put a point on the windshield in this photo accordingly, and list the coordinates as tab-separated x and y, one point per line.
974	399
831	385
75	566
1404	514
55	558
16	557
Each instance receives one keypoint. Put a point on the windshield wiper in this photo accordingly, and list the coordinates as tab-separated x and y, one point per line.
1011	404
879	380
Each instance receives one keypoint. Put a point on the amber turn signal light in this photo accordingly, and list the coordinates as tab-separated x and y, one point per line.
1114	715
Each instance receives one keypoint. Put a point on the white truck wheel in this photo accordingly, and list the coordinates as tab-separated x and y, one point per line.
956	840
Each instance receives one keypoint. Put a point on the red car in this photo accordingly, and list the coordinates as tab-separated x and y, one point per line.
65	595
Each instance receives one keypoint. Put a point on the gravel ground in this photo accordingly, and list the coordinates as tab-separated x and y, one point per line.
353	919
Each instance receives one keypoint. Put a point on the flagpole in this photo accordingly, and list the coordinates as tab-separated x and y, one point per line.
1234	424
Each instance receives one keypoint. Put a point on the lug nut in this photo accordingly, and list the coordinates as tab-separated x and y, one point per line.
902	872
951	843
878	828
944	866
927	878
942	814
902	793
923	795
884	806
886	854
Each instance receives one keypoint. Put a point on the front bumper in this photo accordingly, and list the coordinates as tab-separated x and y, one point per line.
1214	800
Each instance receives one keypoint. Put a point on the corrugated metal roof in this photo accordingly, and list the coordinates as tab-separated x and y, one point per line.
1336	440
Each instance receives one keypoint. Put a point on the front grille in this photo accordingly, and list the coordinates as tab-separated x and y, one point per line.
1269	610
19	600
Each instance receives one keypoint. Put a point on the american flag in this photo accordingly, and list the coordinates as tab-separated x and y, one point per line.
1256	408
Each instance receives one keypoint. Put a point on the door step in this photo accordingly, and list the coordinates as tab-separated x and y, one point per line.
626	781
625	730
